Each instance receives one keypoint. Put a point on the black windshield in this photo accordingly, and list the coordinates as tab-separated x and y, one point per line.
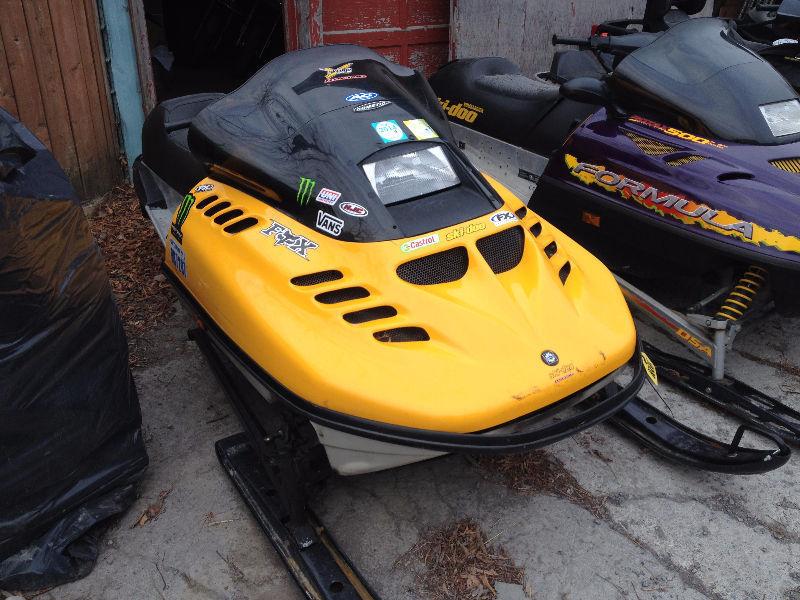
700	70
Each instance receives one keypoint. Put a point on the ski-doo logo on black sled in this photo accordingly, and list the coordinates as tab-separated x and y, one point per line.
180	217
682	209
284	237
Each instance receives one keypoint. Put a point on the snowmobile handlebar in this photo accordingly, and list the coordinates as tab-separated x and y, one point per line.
618	45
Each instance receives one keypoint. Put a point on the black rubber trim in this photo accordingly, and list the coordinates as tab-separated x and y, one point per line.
593	411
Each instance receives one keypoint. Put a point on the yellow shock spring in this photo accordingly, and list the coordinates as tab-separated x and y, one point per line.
743	293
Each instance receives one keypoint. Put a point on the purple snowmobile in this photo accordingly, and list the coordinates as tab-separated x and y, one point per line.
675	157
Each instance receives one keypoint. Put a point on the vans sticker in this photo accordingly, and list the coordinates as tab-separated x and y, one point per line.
353	209
284	237
389	131
178	256
503	217
327	196
428	240
420	129
329	223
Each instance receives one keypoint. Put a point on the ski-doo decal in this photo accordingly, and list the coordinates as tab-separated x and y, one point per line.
674	132
463	111
680	208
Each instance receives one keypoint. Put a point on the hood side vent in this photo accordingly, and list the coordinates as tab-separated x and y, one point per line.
536	229
503	251
684	160
205	202
564	272
342	295
521	212
240	225
370	314
551	249
402	334
317	278
650	146
790	165
216	208
228	215
442	267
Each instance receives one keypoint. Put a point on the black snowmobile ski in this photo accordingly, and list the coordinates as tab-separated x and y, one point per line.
676	442
273	477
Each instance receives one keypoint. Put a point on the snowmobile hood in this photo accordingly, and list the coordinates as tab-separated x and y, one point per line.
746	197
700	72
460	329
341	126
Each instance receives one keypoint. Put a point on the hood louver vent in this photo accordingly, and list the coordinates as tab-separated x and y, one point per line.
370	314
502	251
790	165
240	225
536	229
442	267
205	202
684	160
227	216
521	212
402	334
317	278
649	146
564	272
342	295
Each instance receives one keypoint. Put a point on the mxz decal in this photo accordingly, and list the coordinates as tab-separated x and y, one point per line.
684	135
284	237
178	257
677	207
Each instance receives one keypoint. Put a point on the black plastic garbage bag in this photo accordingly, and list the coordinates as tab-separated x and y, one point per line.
71	447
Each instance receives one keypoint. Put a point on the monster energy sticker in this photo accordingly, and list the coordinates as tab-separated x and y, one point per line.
284	237
180	217
304	191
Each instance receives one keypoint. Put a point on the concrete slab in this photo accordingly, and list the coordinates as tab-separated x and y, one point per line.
670	532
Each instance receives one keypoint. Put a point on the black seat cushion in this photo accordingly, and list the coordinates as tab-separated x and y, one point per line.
164	140
570	64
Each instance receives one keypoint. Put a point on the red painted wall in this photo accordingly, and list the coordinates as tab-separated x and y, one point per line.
411	32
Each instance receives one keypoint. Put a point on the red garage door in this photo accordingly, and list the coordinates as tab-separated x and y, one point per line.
411	32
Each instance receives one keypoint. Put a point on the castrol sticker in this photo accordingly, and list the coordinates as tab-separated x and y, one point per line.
428	240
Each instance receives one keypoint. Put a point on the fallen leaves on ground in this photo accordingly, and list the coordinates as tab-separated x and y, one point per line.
539	472
152	512
133	255
460	563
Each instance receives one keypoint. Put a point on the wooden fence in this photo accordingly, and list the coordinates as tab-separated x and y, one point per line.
53	78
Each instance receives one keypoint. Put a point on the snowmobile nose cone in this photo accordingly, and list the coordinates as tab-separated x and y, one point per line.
550	358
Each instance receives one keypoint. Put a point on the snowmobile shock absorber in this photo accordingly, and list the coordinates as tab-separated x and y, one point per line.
741	297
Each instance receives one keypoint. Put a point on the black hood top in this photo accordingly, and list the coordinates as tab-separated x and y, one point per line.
345	142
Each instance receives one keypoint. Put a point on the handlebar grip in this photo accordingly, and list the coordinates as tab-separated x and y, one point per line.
584	43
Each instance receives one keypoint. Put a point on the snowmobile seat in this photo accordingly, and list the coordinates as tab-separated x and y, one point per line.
570	64
165	148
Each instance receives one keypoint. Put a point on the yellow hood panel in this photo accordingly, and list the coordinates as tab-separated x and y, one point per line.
482	365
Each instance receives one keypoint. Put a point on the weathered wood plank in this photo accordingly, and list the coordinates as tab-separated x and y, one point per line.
101	76
139	25
51	84
7	100
72	70
22	68
104	175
